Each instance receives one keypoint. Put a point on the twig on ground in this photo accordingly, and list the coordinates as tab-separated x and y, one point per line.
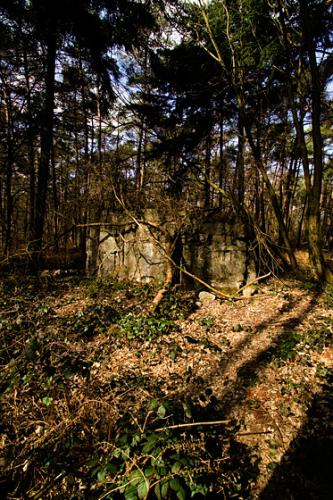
193	424
253	433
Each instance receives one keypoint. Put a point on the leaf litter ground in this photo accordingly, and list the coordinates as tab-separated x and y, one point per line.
217	400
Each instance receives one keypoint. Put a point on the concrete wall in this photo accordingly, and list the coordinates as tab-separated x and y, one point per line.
218	252
214	250
125	250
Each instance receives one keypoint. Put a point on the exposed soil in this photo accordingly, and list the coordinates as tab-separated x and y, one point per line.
74	372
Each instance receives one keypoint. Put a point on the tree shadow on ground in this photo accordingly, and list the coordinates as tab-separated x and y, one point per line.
238	469
248	373
235	394
305	472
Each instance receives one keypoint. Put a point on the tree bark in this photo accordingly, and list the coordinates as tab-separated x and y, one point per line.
9	170
221	162
207	172
239	173
31	153
46	140
313	213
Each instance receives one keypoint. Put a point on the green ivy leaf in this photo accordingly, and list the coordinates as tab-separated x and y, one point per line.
164	489
181	494
135	477
150	443
47	401
101	475
153	404
199	489
112	468
93	462
131	492
175	484
143	488
149	471
135	440
157	491
176	468
187	410
161	412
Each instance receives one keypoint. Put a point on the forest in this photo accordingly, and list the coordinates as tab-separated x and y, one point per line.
197	110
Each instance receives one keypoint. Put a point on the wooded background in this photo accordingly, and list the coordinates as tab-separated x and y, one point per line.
126	105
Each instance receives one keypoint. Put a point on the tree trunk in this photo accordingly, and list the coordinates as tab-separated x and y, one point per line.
9	202
313	213
99	126
207	172
55	203
31	153
300	225
221	162
290	187
46	140
239	173
140	163
83	231
2	222
9	171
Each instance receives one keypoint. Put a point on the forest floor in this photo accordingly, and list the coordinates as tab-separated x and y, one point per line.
220	399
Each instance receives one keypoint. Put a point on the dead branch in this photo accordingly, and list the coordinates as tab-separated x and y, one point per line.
99	224
193	424
167	283
253	433
259	278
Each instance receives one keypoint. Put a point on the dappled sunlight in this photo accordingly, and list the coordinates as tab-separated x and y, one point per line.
227	385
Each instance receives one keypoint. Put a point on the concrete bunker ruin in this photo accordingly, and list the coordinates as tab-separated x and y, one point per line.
129	248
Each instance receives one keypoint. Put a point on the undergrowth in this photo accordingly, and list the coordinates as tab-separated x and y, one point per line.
70	433
296	343
144	328
152	456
